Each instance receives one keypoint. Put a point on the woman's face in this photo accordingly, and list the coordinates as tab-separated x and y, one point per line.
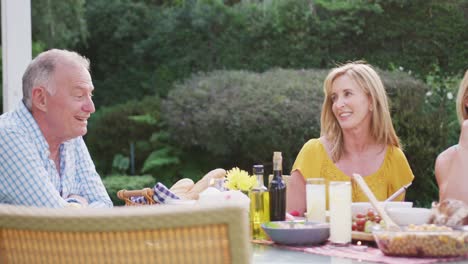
350	104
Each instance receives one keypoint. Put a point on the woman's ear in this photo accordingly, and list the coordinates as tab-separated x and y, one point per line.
39	98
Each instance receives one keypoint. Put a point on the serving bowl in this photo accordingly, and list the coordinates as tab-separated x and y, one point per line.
429	241
297	232
363	207
409	215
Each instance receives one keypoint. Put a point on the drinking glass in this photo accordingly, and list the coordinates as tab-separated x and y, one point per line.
340	212
315	199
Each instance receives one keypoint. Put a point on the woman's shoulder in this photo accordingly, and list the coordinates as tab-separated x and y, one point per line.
446	155
396	159
443	163
396	153
313	143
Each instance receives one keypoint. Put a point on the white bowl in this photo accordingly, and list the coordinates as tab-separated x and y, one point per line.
363	207
406	216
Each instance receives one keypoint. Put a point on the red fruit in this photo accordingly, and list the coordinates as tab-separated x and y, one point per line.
377	219
294	213
360	222
354	227
359	215
361	228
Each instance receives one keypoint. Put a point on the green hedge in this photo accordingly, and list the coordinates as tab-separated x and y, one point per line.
239	118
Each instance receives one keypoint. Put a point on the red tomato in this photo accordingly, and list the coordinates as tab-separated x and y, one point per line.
359	215
294	213
360	222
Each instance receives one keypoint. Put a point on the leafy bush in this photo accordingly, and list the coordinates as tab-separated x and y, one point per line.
112	130
114	183
240	118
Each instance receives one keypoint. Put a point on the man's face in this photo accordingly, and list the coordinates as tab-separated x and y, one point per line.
69	105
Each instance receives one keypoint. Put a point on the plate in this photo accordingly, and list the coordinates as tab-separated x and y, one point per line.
362	236
363	207
297	232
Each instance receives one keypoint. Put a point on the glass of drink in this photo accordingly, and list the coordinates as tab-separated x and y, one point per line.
340	212
315	199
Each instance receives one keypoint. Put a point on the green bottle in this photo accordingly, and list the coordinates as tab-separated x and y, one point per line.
259	205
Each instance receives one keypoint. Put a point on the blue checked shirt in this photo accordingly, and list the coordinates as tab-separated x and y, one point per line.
29	177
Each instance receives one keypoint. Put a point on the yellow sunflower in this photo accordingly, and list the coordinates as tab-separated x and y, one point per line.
238	179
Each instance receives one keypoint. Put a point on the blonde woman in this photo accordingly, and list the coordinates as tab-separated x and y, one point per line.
451	168
357	136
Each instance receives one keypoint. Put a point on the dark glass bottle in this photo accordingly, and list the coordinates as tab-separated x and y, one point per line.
277	190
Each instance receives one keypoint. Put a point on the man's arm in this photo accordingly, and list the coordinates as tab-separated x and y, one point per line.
23	177
90	183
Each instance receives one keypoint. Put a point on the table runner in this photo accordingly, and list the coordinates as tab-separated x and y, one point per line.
360	253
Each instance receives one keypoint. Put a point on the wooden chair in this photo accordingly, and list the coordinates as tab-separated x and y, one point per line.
144	234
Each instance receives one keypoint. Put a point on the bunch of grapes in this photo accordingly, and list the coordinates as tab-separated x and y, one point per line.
366	222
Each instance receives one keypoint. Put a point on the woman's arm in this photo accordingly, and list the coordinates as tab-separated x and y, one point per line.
295	193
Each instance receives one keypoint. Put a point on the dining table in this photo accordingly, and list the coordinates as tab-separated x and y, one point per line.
271	254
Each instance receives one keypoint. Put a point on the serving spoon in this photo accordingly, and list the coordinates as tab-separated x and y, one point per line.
390	225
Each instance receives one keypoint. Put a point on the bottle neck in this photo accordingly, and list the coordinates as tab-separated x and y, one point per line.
277	174
277	168
260	184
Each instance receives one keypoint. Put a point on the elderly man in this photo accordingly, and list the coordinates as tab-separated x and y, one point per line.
44	161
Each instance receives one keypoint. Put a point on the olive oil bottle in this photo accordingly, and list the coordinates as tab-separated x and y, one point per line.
277	190
259	205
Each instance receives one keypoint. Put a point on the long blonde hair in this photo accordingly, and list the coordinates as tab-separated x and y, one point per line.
462	111
369	81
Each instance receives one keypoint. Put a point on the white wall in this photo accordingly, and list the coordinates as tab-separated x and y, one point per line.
16	48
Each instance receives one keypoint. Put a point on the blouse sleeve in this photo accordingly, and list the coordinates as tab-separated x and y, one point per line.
308	161
401	173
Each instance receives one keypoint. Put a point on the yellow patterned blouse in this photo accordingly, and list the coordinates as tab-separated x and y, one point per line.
313	162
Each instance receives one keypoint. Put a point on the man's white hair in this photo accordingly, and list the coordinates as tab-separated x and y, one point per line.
41	69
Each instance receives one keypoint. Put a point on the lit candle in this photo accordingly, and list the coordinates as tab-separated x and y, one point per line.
359	246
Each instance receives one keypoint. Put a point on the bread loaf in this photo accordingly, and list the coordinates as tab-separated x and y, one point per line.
203	183
182	187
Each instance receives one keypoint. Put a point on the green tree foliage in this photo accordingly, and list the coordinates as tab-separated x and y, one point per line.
59	24
116	28
158	43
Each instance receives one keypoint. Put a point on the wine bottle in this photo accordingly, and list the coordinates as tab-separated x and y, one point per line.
277	190
259	205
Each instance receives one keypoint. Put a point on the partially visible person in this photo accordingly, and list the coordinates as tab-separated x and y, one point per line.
357	136
451	167
44	161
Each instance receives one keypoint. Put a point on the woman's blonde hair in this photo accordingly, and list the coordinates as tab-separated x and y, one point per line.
462	110
369	81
